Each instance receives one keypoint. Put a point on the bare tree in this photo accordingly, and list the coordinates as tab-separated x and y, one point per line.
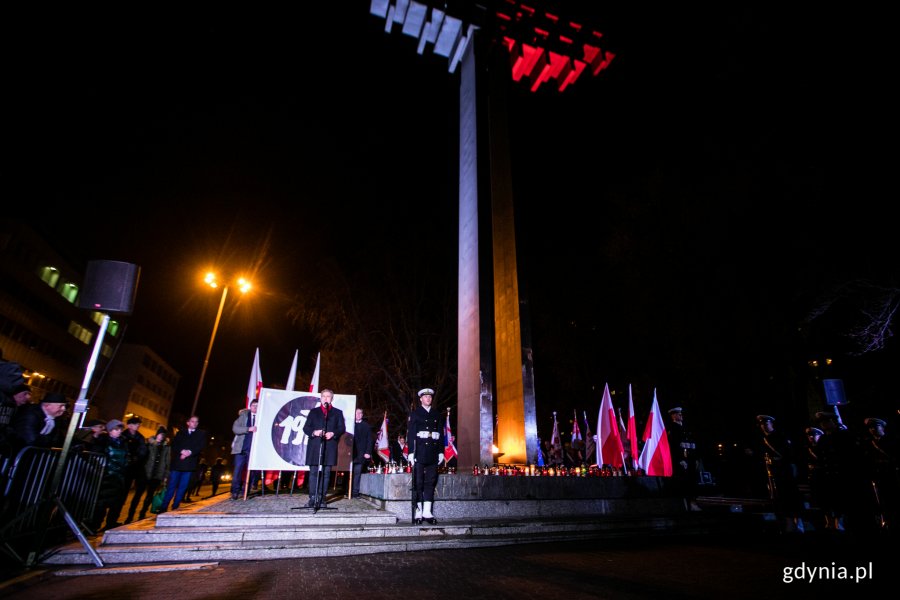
864	311
387	334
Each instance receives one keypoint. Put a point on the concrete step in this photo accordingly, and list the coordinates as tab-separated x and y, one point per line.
142	542
283	519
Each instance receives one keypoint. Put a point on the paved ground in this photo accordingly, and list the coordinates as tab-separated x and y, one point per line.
658	568
734	566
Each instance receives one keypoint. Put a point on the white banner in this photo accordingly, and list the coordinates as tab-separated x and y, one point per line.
279	443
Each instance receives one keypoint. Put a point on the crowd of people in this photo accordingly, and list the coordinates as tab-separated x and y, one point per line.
849	478
132	462
835	479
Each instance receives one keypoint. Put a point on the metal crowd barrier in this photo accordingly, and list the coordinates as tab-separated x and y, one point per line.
31	512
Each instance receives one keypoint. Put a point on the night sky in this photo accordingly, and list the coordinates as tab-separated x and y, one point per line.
680	215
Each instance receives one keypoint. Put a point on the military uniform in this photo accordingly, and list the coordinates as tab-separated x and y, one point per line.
844	484
880	459
425	440
814	465
684	456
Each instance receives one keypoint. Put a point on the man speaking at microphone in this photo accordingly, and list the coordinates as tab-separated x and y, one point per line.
324	424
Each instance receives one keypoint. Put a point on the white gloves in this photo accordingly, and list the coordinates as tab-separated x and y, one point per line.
412	458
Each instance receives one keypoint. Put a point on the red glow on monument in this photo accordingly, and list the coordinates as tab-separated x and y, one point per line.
543	47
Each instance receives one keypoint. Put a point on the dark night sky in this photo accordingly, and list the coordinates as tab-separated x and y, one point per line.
678	214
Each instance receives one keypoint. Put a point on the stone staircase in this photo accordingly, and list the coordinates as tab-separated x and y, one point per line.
272	528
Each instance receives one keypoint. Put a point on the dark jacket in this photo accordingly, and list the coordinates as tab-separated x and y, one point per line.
397	452
112	487
159	459
137	452
7	411
334	423
425	436
27	424
363	443
116	451
194	442
84	440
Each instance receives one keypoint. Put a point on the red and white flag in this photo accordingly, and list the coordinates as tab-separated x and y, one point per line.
383	444
576	432
631	433
314	382
449	446
590	446
292	376
256	383
655	457
556	450
609	448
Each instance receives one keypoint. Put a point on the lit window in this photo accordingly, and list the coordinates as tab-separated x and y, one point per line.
79	332
68	290
49	275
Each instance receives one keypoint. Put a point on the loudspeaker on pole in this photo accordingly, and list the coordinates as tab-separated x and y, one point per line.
109	286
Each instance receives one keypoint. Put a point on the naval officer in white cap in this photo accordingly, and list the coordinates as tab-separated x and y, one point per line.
426	444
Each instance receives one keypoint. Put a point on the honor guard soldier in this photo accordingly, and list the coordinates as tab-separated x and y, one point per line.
844	483
683	450
814	467
426	445
779	459
880	460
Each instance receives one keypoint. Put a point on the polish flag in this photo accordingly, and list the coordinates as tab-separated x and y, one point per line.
556	451
383	443
609	448
655	457
576	432
256	383
292	376
631	432
314	382
449	446
590	446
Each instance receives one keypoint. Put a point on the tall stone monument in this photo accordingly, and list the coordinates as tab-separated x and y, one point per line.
536	47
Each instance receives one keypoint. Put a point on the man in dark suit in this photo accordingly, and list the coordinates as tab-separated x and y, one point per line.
186	449
363	446
324	425
399	451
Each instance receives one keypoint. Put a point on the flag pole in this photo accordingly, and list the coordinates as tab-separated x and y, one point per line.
588	434
621	423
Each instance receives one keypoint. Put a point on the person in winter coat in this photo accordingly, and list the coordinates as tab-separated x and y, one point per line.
112	487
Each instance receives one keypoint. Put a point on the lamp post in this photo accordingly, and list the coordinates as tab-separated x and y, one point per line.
210	280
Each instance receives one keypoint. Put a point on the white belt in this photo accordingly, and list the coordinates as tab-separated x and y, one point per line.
428	434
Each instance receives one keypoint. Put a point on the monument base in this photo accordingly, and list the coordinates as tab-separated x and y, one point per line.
479	496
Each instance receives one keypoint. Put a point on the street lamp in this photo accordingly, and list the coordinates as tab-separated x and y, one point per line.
210	280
